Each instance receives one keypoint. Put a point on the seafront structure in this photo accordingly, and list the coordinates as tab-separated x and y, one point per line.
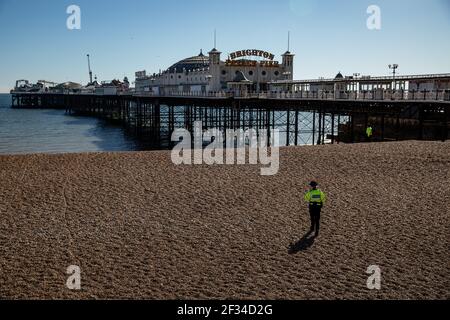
251	89
300	120
405	87
248	70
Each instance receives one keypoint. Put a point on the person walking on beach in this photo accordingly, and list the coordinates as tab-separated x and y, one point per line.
316	199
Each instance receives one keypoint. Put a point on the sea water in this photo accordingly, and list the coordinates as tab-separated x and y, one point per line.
24	131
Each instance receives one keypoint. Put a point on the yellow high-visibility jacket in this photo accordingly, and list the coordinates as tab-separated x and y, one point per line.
315	196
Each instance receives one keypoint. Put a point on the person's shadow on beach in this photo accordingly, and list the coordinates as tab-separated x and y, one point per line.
303	244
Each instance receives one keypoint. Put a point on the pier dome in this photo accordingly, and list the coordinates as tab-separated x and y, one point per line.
192	63
339	76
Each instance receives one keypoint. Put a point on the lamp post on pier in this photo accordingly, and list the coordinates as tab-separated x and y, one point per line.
355	82
394	68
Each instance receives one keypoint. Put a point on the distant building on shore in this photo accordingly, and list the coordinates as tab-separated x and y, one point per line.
248	70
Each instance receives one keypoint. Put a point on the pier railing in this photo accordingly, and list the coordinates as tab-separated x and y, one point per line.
199	94
378	95
371	95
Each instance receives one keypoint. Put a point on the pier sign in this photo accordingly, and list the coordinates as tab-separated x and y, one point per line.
252	53
236	59
251	63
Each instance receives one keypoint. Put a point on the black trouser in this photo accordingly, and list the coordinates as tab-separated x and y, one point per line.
314	211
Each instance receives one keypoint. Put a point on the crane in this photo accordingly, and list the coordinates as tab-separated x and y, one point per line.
89	66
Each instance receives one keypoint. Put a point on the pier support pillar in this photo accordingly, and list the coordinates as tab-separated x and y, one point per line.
352	128
445	124
296	127
288	126
314	128
332	128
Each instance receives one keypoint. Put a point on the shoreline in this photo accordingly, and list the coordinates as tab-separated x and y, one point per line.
4	155
146	151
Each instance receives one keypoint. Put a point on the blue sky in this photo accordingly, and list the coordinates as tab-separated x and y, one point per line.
122	37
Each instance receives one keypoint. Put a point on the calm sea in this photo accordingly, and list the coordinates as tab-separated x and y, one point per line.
52	131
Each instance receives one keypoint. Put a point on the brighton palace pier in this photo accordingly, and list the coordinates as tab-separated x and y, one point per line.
253	89
243	71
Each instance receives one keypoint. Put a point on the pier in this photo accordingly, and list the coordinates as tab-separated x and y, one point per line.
302	118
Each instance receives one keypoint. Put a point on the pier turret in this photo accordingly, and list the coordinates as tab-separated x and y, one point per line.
214	68
288	65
